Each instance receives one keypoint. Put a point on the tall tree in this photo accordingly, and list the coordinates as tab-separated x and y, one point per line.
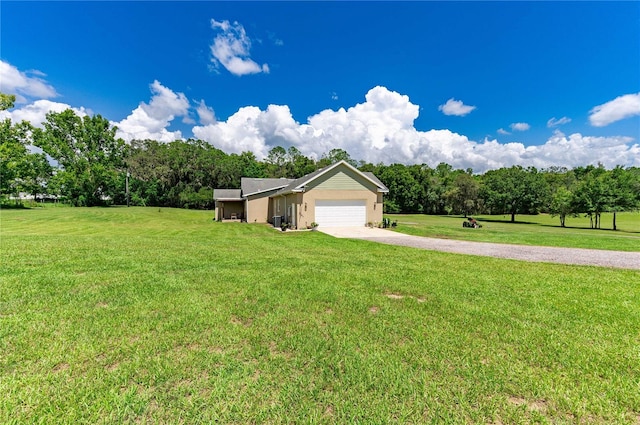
623	195
13	155
89	154
276	161
463	196
298	165
404	192
20	169
335	155
514	191
593	193
562	204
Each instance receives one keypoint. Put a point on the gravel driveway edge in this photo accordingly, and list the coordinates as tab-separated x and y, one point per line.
575	256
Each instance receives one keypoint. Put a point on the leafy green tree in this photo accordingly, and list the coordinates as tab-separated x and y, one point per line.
276	161
440	188
20	169
298	165
463	195
251	166
562	184
593	193
562	204
35	174
404	191
623	191
13	153
514	191
184	173
335	155
7	101
149	168
88	153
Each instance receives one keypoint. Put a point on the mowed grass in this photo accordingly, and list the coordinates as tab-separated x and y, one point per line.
143	315
539	229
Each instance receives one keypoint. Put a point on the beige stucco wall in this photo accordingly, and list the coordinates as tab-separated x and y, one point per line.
257	209
306	216
339	184
261	208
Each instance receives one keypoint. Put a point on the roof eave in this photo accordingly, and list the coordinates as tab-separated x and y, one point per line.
348	166
266	190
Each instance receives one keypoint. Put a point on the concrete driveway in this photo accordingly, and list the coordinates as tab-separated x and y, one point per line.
576	256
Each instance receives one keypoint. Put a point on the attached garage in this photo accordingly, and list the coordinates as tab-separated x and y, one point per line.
341	213
338	195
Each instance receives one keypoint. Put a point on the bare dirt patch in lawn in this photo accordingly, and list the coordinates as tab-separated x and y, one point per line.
60	367
112	367
241	321
535	405
395	296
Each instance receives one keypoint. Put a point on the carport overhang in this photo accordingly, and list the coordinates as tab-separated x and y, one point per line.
230	209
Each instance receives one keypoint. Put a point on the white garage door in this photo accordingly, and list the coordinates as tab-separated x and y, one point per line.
341	213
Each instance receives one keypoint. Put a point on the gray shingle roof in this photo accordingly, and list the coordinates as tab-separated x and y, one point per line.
297	182
250	186
228	194
304	179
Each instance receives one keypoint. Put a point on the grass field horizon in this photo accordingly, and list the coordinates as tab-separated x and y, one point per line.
148	315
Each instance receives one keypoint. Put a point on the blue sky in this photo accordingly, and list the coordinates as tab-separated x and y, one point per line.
473	84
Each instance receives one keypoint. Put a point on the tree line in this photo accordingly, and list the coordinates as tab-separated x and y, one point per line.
83	163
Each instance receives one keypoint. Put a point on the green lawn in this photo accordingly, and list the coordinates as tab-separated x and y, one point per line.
529	230
144	315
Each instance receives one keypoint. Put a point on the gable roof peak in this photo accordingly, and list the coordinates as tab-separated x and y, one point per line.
298	185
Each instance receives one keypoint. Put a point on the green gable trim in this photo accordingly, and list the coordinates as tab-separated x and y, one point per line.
342	178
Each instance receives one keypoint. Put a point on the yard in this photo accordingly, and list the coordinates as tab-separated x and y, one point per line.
147	315
539	229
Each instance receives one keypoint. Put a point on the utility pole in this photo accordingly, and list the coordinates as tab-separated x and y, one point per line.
127	188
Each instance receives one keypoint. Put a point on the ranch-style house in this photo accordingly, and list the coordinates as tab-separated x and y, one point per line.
335	196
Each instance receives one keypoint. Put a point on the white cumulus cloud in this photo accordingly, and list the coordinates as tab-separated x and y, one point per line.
381	129
23	85
503	131
553	122
150	120
36	112
231	49
578	150
254	130
206	114
615	110
519	126
455	107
